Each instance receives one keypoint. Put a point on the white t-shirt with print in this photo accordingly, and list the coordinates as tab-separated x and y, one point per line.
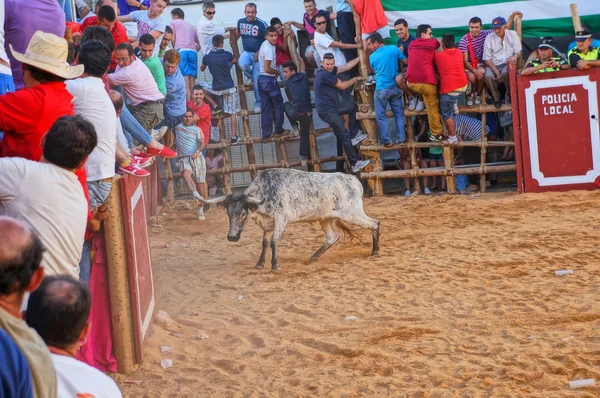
266	53
91	101
147	25
76	379
322	43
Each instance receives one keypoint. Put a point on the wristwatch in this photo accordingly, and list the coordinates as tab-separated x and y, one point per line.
141	5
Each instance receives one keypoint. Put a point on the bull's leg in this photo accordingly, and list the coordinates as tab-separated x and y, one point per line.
360	219
277	233
332	236
265	243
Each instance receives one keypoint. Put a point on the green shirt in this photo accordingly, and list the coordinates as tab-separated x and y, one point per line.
158	72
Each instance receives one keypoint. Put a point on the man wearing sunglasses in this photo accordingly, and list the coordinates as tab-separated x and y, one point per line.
207	29
324	43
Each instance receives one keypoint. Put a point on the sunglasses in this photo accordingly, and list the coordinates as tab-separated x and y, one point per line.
211	12
328	56
320	23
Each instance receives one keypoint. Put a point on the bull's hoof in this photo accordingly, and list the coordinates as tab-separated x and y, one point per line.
260	265
275	268
313	259
375	254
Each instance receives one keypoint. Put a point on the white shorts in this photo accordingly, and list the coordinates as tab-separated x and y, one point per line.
228	98
196	166
384	32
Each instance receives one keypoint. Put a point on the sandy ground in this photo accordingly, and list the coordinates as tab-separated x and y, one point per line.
463	302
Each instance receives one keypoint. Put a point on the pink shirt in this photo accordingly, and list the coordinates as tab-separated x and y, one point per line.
185	34
137	81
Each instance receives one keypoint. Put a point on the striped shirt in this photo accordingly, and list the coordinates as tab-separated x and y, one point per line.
468	128
478	41
186	139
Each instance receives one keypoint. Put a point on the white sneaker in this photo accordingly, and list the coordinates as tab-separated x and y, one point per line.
407	193
295	132
258	109
360	165
360	137
370	80
201	215
412	103
158	134
426	191
222	190
304	162
456	111
452	139
420	106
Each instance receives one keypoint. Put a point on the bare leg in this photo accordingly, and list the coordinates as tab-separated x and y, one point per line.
121	155
234	125
401	82
450	126
440	163
423	165
187	176
406	166
202	189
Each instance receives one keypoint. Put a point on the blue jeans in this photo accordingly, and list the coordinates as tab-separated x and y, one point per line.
336	122
252	70
132	128
392	96
85	264
7	85
272	111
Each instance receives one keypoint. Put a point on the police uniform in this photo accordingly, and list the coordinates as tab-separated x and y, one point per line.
538	62
592	55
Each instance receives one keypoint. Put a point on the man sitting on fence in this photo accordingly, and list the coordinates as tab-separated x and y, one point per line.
268	87
58	311
219	62
325	44
327	86
404	40
190	143
299	109
584	56
546	62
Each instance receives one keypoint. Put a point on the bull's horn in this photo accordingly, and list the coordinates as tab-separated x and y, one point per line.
255	201
212	201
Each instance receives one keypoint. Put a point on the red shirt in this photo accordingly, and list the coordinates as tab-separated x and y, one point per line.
451	69
280	55
204	113
420	62
372	17
118	33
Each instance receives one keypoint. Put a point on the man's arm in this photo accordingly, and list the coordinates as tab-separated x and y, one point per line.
201	143
349	65
511	18
467	64
344	85
124	18
197	41
119	78
298	25
493	67
344	46
203	67
157	33
270	70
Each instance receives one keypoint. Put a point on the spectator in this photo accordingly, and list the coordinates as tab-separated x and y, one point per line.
421	76
98	33
268	87
149	21
20	273
108	20
202	114
15	377
453	82
404	162
253	31
325	44
372	20
21	21
190	143
31	190
214	161
326	86
471	45
469	129
299	109
125	7
282	51
573	44
149	58
207	29
584	56
384	61
404	40
308	25
500	49
185	40
7	84
346	26
165	43
546	62
174	106
219	63
58	311
83	11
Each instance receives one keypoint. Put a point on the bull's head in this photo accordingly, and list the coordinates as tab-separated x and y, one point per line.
237	207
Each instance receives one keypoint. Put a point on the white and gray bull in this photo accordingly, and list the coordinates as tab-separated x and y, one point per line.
278	197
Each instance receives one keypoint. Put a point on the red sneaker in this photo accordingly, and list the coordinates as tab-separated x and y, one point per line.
165	152
143	155
143	162
135	170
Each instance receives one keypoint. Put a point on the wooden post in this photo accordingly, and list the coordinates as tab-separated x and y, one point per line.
449	166
243	104
483	148
225	154
410	135
314	149
575	16
118	282
170	184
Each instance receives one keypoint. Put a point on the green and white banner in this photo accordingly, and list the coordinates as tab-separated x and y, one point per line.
540	17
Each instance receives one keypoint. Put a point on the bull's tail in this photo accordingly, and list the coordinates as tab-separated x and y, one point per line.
348	233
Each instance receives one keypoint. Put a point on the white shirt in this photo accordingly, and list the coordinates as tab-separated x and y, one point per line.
206	31
5	70
322	43
75	378
266	53
500	50
147	25
91	101
51	200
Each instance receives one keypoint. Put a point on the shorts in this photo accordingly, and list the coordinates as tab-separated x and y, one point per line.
7	84
384	32
447	103
228	98
189	62
196	166
98	192
435	158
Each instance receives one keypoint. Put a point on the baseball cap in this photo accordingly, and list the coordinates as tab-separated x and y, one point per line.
498	22
582	35
547	42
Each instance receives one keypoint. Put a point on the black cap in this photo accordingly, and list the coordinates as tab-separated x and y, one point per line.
582	35
547	42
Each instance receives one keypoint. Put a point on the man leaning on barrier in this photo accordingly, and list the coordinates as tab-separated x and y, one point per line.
584	56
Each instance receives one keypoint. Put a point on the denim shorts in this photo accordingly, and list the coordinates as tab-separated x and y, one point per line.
447	102
435	158
98	192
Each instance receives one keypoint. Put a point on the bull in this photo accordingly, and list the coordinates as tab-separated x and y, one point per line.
278	197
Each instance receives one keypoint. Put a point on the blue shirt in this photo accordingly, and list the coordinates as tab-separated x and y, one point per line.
186	139
326	93
342	6
219	64
125	9
253	33
297	85
175	98
405	44
15	376
384	62
595	43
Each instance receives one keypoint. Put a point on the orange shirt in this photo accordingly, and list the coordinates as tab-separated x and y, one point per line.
371	14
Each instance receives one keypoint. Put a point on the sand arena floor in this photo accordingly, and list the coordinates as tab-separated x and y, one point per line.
463	302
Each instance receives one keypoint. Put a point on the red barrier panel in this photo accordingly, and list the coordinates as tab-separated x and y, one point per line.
557	133
138	255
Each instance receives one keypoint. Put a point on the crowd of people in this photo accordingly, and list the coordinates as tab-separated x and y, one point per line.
82	101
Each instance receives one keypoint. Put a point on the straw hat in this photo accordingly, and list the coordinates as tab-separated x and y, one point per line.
48	52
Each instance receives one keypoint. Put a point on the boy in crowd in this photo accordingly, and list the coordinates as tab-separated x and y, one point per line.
190	143
219	62
299	109
282	50
149	21
268	88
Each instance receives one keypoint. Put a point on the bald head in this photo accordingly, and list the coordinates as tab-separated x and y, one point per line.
117	100
20	255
